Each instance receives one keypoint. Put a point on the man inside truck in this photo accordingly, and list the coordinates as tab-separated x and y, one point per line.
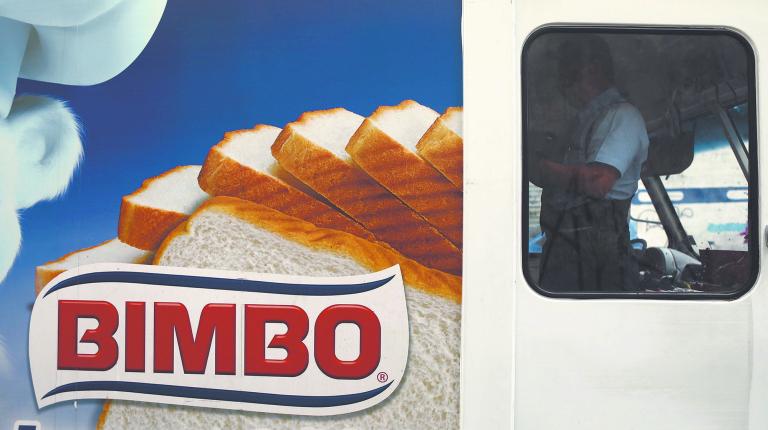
588	185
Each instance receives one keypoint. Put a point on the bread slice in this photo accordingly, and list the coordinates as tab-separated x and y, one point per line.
443	146
241	165
111	251
232	234
162	203
335	249
312	149
385	147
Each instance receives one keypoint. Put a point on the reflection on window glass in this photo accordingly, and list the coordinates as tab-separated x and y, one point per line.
637	162
712	207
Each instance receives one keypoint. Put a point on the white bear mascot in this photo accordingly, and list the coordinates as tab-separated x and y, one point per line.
73	42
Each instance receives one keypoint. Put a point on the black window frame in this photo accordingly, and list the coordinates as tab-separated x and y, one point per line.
753	222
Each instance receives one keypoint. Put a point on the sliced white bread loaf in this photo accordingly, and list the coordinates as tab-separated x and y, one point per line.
443	145
111	251
148	214
242	166
385	147
232	234
312	150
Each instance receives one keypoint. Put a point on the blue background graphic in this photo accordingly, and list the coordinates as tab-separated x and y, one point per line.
213	67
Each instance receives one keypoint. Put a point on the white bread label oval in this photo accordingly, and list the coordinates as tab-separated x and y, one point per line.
212	338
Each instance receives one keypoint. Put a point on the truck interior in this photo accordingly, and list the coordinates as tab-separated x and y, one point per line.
691	216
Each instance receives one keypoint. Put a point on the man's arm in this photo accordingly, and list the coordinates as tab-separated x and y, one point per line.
593	179
626	139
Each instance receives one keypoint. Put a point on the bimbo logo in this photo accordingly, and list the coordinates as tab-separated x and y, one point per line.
270	343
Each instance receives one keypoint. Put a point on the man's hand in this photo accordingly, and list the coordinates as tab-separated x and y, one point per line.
542	145
593	179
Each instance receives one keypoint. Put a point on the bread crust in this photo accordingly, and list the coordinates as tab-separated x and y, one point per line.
444	149
409	177
224	176
369	254
145	227
350	189
104	414
44	274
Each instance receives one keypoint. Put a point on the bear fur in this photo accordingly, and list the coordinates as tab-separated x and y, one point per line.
40	148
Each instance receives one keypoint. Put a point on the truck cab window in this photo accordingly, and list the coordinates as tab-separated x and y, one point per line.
639	168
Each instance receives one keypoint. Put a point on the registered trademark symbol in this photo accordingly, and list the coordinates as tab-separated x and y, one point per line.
382	377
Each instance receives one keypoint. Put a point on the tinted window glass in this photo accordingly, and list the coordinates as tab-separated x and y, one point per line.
638	173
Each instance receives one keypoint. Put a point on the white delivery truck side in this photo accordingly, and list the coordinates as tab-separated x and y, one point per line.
684	344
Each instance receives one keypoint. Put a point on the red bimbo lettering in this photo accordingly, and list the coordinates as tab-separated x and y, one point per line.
218	319
172	326
325	341
70	312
